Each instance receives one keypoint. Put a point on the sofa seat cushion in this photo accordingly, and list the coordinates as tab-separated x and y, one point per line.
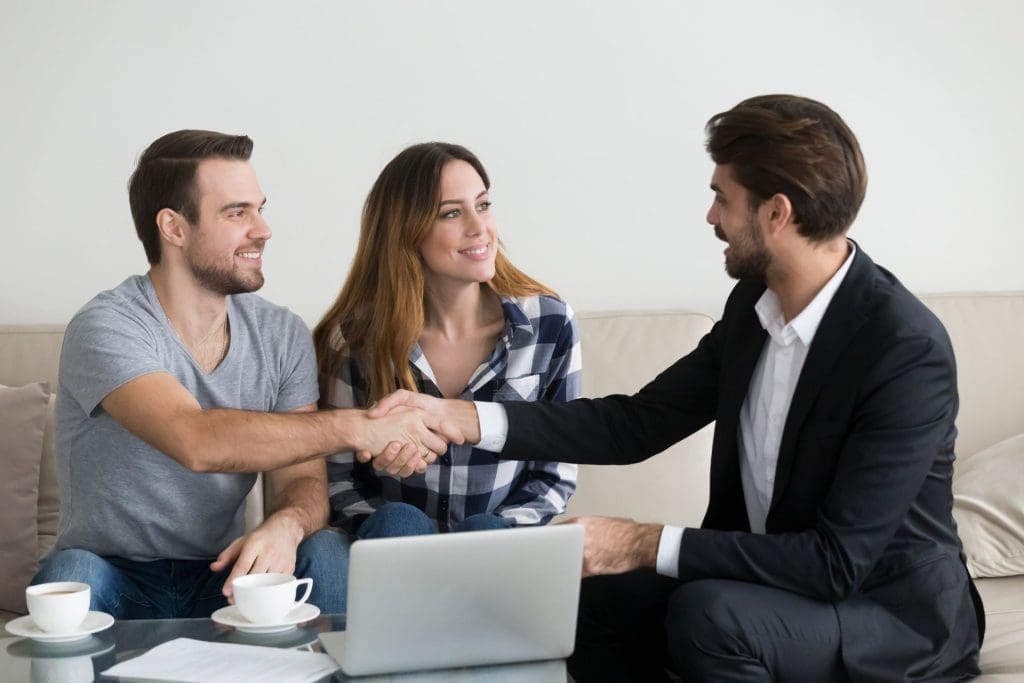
1002	656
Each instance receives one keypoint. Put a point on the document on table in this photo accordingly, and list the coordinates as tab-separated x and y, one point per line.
187	660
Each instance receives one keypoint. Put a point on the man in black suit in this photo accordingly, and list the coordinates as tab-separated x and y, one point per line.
828	551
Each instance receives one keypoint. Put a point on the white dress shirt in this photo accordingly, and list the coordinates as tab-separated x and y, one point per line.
762	417
764	411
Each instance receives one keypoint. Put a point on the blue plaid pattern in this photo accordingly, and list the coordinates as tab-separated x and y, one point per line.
537	358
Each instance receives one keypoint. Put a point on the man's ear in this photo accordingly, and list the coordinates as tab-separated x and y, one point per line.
171	225
777	213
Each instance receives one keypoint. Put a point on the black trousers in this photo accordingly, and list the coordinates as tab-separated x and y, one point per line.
634	626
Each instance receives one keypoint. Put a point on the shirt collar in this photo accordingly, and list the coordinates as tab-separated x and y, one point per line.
805	324
515	319
515	316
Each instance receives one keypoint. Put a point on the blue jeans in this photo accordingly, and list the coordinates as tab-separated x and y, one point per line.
174	589
402	519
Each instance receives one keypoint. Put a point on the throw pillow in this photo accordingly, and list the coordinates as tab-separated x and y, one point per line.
22	423
988	504
49	494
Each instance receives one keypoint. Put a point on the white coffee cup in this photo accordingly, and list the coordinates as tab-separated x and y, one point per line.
58	607
267	598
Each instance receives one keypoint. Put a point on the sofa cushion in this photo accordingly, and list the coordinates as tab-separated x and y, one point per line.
1001	656
987	336
988	490
49	494
22	423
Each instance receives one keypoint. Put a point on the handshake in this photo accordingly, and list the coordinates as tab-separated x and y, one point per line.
406	431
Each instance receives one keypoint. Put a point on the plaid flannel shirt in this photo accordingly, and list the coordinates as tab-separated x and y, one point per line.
537	358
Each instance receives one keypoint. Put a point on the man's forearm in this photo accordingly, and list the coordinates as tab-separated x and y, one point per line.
227	440
156	408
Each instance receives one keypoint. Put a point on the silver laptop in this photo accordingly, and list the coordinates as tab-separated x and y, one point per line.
460	599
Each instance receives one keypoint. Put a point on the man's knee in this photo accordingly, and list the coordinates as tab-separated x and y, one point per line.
85	567
702	616
733	630
74	565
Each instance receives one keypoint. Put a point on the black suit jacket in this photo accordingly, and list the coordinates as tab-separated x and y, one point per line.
861	512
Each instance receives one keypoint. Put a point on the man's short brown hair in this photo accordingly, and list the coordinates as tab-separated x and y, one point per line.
165	178
797	147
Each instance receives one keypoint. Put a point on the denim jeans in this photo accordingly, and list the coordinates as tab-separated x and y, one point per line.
402	519
169	589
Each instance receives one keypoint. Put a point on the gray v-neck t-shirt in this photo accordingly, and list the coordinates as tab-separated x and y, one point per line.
120	496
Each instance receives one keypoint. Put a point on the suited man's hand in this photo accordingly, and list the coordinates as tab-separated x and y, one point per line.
614	545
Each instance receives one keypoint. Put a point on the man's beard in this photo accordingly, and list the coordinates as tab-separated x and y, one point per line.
748	258
221	280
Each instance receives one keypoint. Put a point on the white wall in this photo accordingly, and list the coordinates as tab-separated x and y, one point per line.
589	116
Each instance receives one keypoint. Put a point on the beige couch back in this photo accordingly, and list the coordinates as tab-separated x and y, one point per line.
622	351
987	330
30	353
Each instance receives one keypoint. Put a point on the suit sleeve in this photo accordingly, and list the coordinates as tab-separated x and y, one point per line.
903	422
622	429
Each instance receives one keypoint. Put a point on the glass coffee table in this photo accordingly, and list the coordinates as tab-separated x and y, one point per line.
82	661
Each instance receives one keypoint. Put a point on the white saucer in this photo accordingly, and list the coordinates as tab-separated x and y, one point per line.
230	616
26	628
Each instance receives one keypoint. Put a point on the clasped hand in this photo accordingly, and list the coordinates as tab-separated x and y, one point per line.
406	432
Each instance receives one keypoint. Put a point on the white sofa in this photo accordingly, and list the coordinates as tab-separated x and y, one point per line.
623	350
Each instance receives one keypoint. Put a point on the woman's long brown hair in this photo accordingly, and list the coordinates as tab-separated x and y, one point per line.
378	314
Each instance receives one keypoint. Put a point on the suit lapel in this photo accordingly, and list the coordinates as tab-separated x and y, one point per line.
844	316
737	376
745	339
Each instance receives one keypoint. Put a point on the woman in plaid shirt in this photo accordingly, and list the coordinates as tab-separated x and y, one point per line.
433	305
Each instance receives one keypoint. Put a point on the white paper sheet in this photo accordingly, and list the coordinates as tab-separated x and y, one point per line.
187	660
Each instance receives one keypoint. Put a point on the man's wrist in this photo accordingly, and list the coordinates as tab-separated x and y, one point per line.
352	427
648	539
292	521
468	421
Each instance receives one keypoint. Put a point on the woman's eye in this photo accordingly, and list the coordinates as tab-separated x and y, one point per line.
483	206
454	213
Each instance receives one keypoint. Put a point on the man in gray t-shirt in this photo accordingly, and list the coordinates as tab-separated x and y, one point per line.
123	334
178	386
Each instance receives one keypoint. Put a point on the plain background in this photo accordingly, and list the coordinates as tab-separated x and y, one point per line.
588	115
